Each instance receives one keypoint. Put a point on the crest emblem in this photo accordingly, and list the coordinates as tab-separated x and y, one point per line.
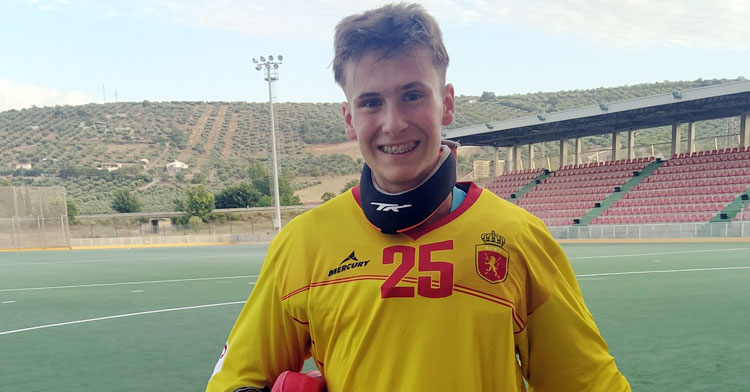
491	259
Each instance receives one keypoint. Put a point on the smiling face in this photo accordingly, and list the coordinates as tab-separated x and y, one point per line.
395	110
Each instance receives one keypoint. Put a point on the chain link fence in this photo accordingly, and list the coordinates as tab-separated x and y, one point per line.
229	225
33	217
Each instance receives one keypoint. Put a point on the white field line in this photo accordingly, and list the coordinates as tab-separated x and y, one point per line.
122	260
118	316
128	283
661	271
660	253
242	302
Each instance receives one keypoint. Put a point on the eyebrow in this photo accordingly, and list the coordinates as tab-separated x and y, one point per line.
407	86
364	96
412	85
375	95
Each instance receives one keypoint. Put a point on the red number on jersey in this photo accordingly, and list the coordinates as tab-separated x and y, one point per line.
389	288
444	269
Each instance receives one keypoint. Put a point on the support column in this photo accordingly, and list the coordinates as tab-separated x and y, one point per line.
676	136
509	160
563	152
495	162
516	157
615	145
578	151
631	145
745	129
531	156
691	137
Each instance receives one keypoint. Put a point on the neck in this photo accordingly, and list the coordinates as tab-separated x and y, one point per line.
442	211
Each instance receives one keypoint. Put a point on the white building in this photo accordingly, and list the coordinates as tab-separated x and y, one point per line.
177	165
110	166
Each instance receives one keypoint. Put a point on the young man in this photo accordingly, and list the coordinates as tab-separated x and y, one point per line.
411	281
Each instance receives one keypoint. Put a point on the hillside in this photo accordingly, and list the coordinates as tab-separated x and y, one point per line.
219	140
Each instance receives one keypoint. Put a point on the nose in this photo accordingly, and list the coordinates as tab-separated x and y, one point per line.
394	120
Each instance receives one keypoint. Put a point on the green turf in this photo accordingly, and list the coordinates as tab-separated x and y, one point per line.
670	331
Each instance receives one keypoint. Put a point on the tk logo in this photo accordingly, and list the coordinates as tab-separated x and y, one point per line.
385	207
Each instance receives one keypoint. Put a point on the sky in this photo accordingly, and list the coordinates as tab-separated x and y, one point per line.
70	52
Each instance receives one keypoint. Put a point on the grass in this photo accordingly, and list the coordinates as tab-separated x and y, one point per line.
674	315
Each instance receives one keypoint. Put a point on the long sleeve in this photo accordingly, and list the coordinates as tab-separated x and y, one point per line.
265	339
562	348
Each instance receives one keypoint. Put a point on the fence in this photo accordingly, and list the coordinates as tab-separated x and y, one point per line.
172	240
737	229
33	217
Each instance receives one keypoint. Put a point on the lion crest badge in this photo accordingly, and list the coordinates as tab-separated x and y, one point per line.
491	259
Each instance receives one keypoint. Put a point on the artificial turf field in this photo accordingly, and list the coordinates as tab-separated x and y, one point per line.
676	316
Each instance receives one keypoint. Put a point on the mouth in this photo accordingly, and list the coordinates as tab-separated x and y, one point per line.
399	148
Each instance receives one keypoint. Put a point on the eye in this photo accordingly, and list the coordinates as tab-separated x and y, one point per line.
412	96
370	103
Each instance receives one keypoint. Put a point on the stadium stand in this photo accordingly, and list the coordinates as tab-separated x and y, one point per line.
511	183
688	188
691	187
569	193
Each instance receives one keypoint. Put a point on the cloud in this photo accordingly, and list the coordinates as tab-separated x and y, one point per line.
704	24
707	24
19	96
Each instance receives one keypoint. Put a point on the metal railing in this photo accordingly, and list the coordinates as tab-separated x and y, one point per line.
736	229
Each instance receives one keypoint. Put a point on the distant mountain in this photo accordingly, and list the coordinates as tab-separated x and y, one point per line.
74	145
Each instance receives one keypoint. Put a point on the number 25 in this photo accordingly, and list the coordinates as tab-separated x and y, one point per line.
424	283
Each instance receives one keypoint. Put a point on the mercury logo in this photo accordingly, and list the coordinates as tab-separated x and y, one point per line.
389	207
354	263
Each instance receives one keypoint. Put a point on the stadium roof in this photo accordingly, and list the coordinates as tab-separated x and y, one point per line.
698	104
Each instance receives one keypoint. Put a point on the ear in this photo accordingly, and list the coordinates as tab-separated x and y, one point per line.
347	113
449	104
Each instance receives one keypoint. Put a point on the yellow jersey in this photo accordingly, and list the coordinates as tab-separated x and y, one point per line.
479	300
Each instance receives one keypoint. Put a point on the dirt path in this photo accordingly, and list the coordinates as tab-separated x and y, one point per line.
213	135
153	162
195	133
143	187
228	138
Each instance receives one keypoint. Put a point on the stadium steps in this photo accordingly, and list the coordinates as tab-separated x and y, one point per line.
516	196
733	208
615	196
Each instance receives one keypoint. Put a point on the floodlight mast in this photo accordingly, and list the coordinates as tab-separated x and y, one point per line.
271	68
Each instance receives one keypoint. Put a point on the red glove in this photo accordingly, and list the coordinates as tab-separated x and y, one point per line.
299	382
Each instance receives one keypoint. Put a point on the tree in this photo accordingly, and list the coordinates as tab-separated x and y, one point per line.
126	201
238	196
198	202
327	196
178	204
487	96
259	177
349	185
198	178
261	181
72	210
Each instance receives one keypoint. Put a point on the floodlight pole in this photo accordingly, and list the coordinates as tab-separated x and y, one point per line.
271	68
